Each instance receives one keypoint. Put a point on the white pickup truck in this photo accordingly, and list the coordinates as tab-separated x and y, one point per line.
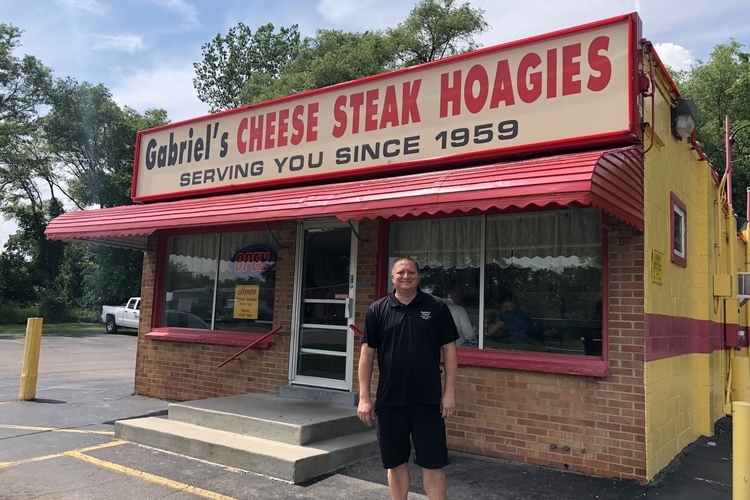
126	316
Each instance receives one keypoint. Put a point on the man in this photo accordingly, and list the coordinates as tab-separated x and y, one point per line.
513	323
454	300
409	329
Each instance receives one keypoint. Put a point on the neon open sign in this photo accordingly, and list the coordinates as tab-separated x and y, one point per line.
252	261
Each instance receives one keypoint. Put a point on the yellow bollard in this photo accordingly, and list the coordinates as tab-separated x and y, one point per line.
30	369
740	379
740	450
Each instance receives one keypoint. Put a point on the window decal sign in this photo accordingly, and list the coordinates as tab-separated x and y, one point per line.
246	301
252	261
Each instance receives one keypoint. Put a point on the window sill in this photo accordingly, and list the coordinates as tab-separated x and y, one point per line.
191	336
563	364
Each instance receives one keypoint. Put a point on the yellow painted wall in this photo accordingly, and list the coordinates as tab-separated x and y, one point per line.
685	393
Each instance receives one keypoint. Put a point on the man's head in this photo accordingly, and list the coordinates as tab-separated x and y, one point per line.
405	275
507	303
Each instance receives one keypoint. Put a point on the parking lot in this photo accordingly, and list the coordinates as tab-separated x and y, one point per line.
61	446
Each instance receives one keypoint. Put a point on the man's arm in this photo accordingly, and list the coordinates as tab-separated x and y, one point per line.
450	362
366	410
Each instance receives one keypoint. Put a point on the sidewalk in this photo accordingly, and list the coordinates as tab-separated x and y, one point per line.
61	447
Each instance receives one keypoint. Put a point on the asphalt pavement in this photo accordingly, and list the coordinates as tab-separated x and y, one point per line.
62	446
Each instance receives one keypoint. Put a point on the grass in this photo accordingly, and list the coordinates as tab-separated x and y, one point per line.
56	329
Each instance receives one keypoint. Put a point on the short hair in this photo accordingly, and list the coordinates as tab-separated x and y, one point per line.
405	258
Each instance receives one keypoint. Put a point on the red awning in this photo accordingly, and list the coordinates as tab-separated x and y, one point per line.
610	180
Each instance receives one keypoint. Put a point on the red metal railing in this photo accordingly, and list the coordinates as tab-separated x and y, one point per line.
356	330
245	349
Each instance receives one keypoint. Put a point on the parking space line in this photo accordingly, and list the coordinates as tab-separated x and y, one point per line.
4	465
150	477
54	429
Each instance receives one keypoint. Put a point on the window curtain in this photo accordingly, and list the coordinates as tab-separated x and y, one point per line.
549	239
197	252
438	243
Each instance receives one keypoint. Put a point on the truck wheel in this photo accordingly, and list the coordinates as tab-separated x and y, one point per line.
111	325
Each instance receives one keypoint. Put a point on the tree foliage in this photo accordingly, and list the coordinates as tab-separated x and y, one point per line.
232	61
721	87
436	29
62	143
244	68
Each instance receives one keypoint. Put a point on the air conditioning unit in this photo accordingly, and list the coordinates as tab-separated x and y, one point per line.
743	287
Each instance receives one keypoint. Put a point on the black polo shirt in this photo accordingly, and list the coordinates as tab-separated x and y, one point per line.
408	339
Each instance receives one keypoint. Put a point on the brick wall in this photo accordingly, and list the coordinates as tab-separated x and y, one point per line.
518	415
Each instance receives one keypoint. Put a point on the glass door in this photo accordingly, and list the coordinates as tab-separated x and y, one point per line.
322	342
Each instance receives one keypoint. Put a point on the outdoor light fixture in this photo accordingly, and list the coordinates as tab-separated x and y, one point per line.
684	118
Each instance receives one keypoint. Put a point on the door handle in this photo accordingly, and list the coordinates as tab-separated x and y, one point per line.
349	308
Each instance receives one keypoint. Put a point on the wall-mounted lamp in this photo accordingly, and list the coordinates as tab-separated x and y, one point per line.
684	118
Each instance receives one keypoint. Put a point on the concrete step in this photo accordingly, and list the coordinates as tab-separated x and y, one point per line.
284	461
267	416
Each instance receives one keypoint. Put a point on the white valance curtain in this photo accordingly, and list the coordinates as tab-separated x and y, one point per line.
548	239
546	236
436	243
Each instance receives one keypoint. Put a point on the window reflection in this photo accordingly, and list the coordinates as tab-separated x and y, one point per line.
542	285
226	280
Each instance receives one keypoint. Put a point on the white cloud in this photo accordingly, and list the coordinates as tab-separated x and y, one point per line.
674	56
167	86
7	228
363	14
90	6
124	43
187	10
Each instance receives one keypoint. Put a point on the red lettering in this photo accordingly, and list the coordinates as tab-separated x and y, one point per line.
371	109
312	121
241	144
390	109
450	94
256	133
283	127
502	90
270	129
355	102
551	73
477	74
298	125
571	69
529	84
340	116
600	63
410	109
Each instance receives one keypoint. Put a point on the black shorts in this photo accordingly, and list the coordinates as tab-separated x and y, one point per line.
426	427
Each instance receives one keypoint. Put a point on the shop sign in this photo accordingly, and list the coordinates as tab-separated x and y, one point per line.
246	301
252	261
554	91
657	267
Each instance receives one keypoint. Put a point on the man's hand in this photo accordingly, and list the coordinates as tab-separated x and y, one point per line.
447	405
366	411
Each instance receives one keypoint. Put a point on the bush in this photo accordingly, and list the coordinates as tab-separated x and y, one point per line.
17	315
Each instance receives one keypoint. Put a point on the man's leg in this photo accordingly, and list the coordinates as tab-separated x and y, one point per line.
434	484
399	480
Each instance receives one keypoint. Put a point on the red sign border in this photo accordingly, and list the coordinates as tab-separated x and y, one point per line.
631	135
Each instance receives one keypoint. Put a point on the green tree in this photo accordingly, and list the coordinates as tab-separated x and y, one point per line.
238	70
328	58
436	29
230	62
721	87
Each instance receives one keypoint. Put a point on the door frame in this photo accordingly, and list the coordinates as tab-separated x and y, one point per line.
297	304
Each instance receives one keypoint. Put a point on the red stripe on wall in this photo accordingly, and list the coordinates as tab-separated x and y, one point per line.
669	336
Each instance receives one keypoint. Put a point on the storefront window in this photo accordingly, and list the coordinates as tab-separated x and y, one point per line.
543	282
449	255
540	277
220	282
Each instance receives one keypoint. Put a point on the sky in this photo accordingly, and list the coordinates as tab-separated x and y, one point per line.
144	50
